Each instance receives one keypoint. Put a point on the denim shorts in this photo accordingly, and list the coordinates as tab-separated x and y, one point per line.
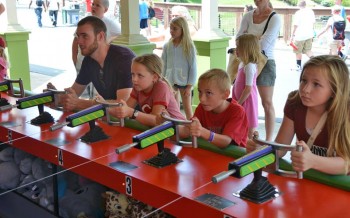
179	87
176	86
267	76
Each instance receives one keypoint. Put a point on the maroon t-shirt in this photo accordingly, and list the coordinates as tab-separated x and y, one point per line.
297	113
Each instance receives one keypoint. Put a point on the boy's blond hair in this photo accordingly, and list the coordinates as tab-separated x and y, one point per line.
218	78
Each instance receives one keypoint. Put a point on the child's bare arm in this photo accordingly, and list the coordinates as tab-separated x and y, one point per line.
219	140
245	94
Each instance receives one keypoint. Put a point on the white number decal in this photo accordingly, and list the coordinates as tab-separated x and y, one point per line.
128	185
60	157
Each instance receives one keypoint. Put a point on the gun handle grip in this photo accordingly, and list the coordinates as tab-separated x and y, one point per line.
299	174
194	142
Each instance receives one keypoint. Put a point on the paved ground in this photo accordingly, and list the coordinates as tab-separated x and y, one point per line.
50	60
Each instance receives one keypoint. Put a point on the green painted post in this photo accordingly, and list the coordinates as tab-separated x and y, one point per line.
130	26
18	56
211	54
138	48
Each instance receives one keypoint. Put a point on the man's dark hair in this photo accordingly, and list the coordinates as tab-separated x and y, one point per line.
97	24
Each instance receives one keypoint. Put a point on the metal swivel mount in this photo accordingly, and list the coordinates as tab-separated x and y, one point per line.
178	122
49	96
154	135
281	147
89	115
259	190
7	86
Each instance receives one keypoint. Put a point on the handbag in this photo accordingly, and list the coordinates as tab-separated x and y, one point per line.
233	61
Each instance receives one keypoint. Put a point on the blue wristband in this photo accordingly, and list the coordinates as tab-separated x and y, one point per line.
211	136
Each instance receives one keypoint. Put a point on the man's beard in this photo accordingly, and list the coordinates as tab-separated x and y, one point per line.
91	49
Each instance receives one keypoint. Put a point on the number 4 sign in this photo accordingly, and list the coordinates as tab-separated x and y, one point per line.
60	157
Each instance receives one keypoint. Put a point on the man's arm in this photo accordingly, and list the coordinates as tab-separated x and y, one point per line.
72	102
30	4
2	8
78	89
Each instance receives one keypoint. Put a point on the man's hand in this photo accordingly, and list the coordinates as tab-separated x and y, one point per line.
70	101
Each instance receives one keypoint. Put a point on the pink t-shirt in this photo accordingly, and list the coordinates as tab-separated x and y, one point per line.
231	122
160	95
247	77
3	69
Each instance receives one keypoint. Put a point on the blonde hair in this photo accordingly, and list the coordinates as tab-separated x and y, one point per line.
182	11
217	76
186	41
150	3
338	107
248	48
154	65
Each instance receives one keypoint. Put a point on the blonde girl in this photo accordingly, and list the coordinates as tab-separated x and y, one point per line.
324	88
244	90
180	67
151	92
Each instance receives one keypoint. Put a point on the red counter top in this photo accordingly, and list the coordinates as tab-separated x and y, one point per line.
172	188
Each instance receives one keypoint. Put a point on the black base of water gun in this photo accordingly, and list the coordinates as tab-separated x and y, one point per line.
259	191
44	117
3	102
94	135
162	159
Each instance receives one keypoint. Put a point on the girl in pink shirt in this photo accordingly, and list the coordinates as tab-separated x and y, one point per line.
151	92
244	89
3	60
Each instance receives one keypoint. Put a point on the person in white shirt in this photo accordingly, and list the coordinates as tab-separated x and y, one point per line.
335	44
254	22
39	5
303	32
54	7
